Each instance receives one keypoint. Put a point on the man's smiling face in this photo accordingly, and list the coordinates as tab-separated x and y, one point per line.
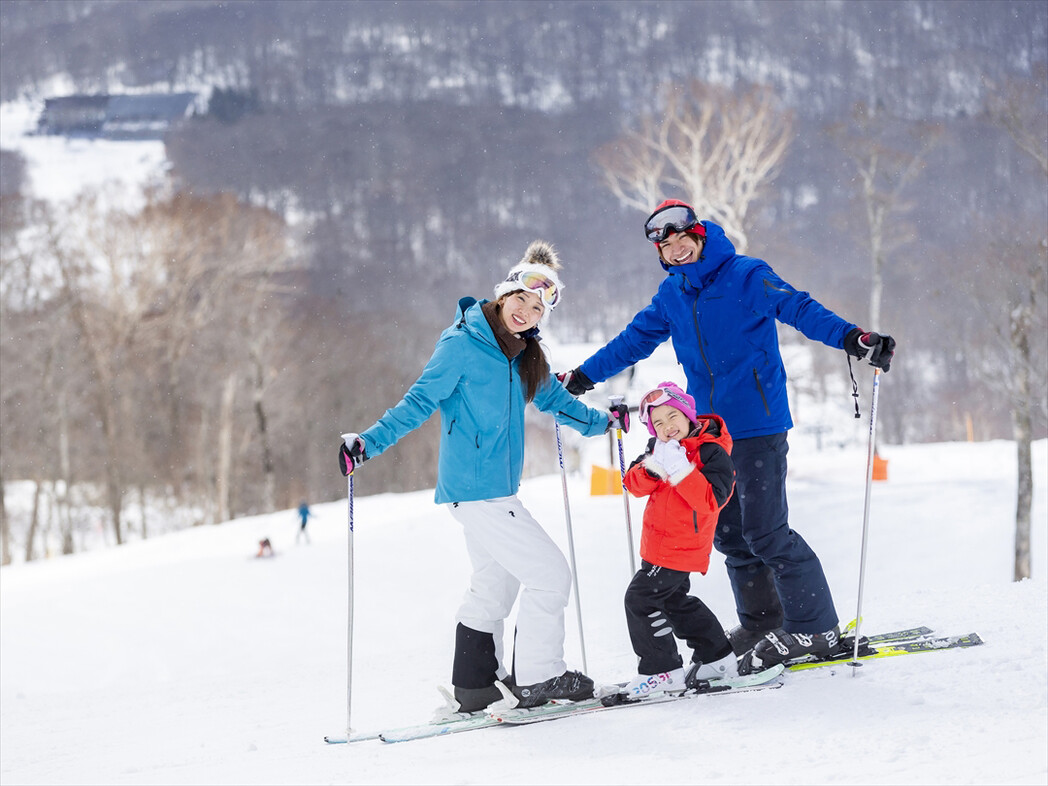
681	249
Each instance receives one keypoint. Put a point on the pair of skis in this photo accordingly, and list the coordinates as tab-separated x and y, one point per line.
887	645
495	716
902	642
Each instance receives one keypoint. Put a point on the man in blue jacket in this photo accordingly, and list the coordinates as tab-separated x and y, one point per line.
719	309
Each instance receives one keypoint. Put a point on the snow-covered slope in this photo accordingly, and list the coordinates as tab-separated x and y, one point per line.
184	659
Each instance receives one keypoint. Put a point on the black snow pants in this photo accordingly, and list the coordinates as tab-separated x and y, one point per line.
659	608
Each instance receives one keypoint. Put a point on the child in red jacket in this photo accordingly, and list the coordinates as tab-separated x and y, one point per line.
688	476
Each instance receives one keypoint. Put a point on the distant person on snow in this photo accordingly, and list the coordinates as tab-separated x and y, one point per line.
486	366
265	548
720	309
303	515
687	475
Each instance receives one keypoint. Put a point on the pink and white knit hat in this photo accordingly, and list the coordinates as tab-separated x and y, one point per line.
666	393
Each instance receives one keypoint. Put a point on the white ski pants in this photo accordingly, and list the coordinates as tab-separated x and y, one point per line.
508	548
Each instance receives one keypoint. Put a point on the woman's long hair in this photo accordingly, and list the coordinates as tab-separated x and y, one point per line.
534	368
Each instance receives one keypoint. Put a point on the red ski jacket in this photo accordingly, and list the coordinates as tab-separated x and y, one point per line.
681	514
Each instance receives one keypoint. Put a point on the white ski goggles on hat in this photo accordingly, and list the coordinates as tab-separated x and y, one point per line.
543	286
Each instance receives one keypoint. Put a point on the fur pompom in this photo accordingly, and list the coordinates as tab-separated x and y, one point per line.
541	253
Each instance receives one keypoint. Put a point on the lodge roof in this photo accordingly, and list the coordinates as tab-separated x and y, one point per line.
124	116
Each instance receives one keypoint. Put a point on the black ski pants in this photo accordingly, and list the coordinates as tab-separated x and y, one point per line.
659	608
777	579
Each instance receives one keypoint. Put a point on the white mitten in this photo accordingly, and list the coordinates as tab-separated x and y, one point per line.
659	452
654	461
675	459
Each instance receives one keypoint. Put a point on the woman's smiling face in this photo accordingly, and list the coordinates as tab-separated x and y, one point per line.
521	311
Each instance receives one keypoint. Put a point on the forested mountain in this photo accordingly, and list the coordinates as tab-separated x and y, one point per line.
413	150
492	111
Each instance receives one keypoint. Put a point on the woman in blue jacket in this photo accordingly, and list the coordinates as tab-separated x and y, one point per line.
720	310
486	367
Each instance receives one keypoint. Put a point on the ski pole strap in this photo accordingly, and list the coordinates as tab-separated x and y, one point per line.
855	387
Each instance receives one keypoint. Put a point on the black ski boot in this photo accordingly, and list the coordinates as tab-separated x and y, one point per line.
475	669
569	686
476	699
778	646
743	640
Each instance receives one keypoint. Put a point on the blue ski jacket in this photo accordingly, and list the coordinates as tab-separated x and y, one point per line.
720	313
480	396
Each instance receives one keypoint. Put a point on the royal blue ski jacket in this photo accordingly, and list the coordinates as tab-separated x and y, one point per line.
479	394
720	313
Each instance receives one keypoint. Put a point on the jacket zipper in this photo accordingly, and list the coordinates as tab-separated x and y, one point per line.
702	351
757	379
509	428
774	288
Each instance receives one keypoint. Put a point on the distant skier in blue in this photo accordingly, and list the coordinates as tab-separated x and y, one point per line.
303	514
720	309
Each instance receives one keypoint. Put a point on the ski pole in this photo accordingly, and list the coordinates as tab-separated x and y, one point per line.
866	515
615	401
571	548
349	620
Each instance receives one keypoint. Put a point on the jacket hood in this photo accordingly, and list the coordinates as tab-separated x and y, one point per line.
716	251
469	316
710	428
463	306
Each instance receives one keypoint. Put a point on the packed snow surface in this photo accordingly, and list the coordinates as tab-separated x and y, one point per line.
185	659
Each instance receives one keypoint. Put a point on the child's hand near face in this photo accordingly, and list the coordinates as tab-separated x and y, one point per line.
672	456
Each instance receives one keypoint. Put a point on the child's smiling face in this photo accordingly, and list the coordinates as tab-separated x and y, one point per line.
669	423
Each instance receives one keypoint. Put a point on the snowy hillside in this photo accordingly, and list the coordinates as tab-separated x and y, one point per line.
60	169
184	659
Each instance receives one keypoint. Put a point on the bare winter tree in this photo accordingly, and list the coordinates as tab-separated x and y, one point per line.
1013	299
12	219
5	527
1018	107
220	262
888	155
719	147
261	324
39	368
1022	299
108	297
149	294
634	166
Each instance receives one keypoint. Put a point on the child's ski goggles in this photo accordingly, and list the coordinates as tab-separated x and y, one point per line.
657	398
546	288
669	221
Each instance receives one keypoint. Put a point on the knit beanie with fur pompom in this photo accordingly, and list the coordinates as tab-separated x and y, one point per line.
536	272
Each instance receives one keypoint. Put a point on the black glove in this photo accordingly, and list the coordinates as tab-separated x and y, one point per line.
619	417
351	453
575	381
881	349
